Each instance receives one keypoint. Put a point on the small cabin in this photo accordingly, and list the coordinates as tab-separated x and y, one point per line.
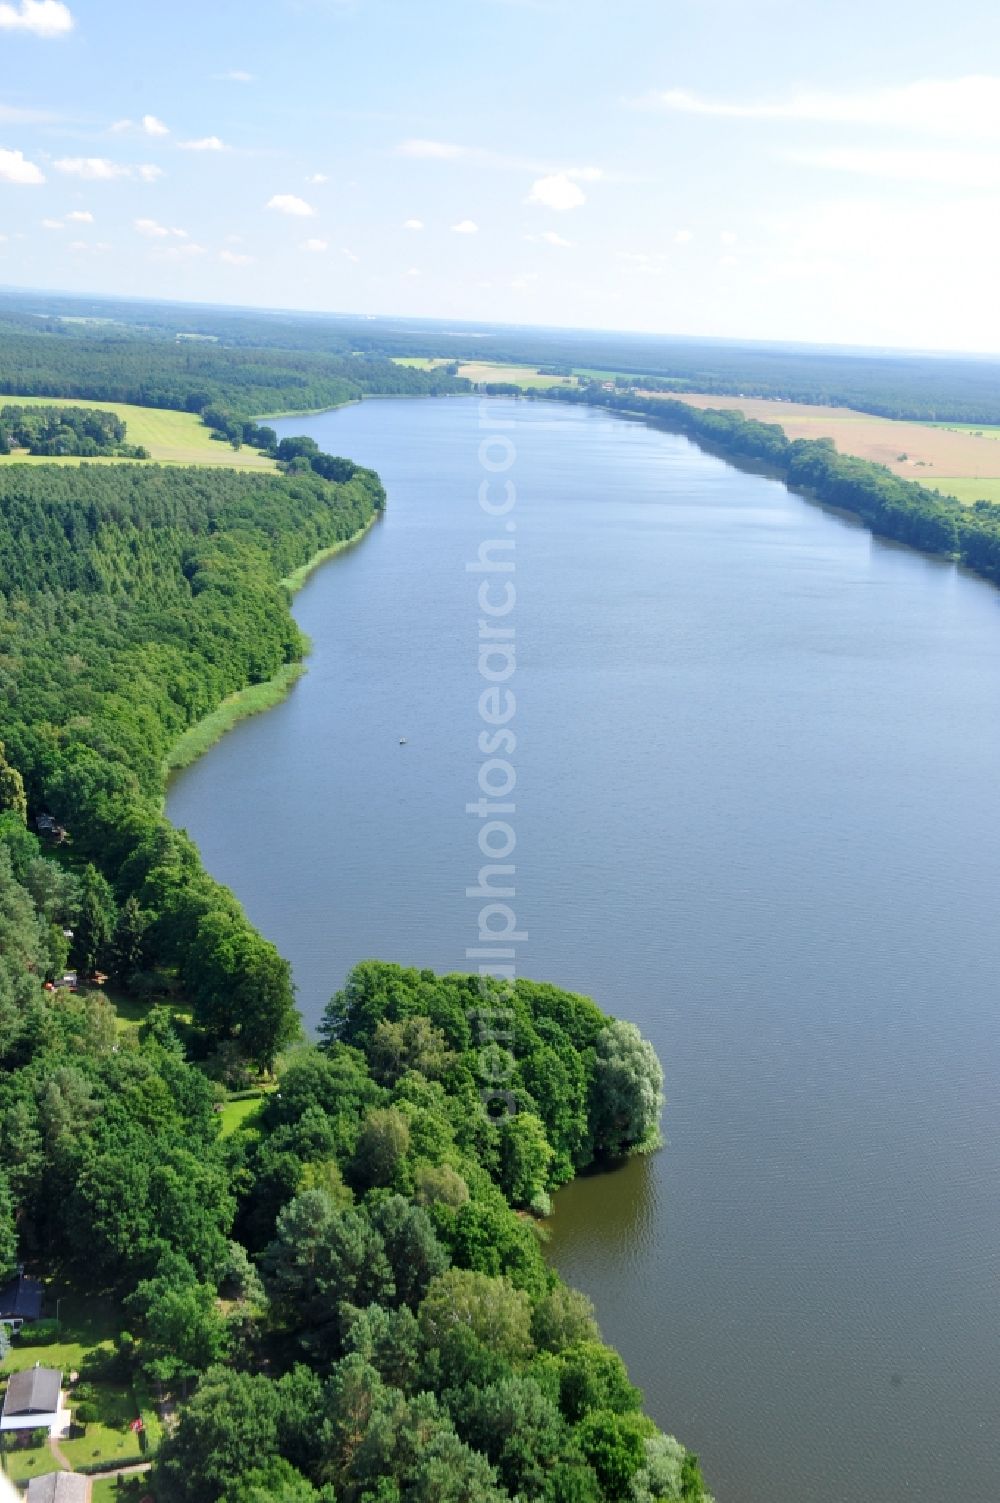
59	1487
33	1401
20	1302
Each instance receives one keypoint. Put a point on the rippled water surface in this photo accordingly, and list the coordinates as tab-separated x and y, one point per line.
758	810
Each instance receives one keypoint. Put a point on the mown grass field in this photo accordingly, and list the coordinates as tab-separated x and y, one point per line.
236	1114
968	491
86	1325
171	437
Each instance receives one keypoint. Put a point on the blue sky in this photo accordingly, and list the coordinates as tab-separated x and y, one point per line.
789	171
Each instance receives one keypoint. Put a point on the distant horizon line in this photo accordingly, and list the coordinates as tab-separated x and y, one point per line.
469	327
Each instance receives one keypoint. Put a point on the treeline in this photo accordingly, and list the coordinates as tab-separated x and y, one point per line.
55	431
122	364
891	507
924	388
111	1159
293	454
132	602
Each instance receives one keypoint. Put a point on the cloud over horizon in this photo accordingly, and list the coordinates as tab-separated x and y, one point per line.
100	169
950	106
290	203
43	18
15	168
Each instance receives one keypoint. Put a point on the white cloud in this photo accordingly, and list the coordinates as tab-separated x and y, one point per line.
235	258
413	224
203	143
352	257
523	282
551	238
413	271
53	224
149	125
80	216
155	231
727	237
148	172
841	269
289	203
235	75
44	18
949	106
728	261
15	168
465	227
683	237
960	169
318	177
557	192
313	244
99	169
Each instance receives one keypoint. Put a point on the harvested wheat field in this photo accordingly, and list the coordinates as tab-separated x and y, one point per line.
936	456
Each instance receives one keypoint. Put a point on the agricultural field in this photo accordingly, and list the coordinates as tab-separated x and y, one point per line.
956	460
968	491
171	437
489	370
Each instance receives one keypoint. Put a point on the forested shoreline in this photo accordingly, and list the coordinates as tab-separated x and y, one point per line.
893	508
297	362
120	363
347	1295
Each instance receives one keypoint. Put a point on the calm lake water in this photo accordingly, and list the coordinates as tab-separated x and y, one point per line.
757	812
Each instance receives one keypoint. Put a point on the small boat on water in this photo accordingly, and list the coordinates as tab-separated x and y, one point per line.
402	740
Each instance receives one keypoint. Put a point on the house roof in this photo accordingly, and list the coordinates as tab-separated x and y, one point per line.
34	1391
59	1487
21	1299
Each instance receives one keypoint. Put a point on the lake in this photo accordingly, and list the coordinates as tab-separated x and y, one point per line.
757	812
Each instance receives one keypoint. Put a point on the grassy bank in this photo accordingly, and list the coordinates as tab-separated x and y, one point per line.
268	417
211	728
197	739
293	582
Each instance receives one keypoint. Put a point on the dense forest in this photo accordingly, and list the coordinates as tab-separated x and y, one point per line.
891	507
135	599
56	431
117	363
346	1296
928	388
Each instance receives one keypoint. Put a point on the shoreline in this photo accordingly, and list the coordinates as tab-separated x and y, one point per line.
255	698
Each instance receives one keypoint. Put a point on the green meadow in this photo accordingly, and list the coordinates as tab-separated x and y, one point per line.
171	437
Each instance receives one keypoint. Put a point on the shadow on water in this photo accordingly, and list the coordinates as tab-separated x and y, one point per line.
603	1216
